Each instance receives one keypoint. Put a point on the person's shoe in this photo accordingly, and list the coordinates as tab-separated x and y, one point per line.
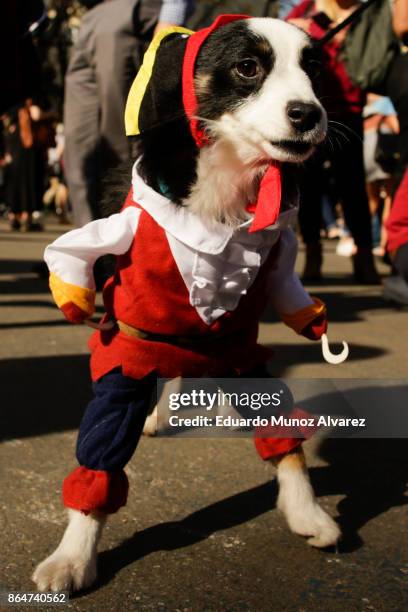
396	290
346	247
365	272
312	271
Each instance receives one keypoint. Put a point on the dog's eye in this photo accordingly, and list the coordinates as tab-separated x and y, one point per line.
248	69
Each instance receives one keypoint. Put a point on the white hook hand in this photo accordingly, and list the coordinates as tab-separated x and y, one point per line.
329	356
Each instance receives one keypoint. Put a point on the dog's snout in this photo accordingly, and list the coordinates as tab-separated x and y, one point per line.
303	116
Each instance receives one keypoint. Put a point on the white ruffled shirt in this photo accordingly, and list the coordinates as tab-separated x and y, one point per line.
217	263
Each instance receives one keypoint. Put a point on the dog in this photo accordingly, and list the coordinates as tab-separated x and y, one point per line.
222	117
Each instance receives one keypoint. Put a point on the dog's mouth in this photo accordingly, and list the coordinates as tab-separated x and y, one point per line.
294	147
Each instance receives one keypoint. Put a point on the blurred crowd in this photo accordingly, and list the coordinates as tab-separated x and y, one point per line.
72	63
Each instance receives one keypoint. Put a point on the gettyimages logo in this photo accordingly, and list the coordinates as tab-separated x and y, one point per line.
208	401
234	407
232	404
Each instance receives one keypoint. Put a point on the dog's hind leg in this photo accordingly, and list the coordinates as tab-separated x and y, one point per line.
157	420
298	503
72	566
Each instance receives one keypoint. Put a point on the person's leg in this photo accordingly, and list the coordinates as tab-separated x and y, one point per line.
118	55
387	188
401	261
348	169
310	218
108	435
374	203
397	89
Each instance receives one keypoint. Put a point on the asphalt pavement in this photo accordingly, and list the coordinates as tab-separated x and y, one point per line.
201	531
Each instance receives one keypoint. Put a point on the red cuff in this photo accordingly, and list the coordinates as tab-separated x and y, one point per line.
316	328
95	491
268	447
73	313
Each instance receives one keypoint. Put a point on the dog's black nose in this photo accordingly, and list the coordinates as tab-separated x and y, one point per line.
304	116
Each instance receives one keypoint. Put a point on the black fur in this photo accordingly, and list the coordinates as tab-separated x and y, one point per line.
218	60
115	188
168	151
311	62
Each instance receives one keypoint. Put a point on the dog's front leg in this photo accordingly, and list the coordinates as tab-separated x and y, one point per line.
298	503
72	566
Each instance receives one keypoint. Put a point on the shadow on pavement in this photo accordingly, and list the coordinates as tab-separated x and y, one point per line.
371	474
47	394
342	307
24	286
287	355
194	528
44	394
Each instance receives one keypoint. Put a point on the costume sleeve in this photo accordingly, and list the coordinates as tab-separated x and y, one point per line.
297	309
71	258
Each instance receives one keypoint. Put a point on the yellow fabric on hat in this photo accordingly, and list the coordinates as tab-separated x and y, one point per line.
299	319
139	85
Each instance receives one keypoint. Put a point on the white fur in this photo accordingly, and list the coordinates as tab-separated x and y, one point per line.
72	566
159	417
262	118
298	503
225	183
150	426
229	170
266	112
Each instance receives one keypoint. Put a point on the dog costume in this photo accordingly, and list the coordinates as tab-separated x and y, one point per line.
186	297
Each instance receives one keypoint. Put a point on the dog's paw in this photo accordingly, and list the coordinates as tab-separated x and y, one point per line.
314	523
61	572
150	426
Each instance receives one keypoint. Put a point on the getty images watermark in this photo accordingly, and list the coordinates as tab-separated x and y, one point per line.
242	402
283	408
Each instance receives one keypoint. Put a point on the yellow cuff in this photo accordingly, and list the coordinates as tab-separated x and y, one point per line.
63	293
299	319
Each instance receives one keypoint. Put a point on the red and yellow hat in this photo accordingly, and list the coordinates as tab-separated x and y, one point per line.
164	78
163	91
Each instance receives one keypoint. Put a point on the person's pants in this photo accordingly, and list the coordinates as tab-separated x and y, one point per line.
108	436
397	89
397	221
347	166
401	261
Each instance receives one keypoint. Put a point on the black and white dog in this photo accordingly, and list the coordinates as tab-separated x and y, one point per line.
254	107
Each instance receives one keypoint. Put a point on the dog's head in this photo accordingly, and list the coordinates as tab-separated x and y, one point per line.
246	80
245	83
254	87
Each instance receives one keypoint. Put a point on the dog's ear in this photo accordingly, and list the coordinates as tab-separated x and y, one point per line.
155	97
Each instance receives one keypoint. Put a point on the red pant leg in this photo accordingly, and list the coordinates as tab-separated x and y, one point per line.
279	442
89	490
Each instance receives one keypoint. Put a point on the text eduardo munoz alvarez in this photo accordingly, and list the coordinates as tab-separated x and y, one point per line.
251	401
